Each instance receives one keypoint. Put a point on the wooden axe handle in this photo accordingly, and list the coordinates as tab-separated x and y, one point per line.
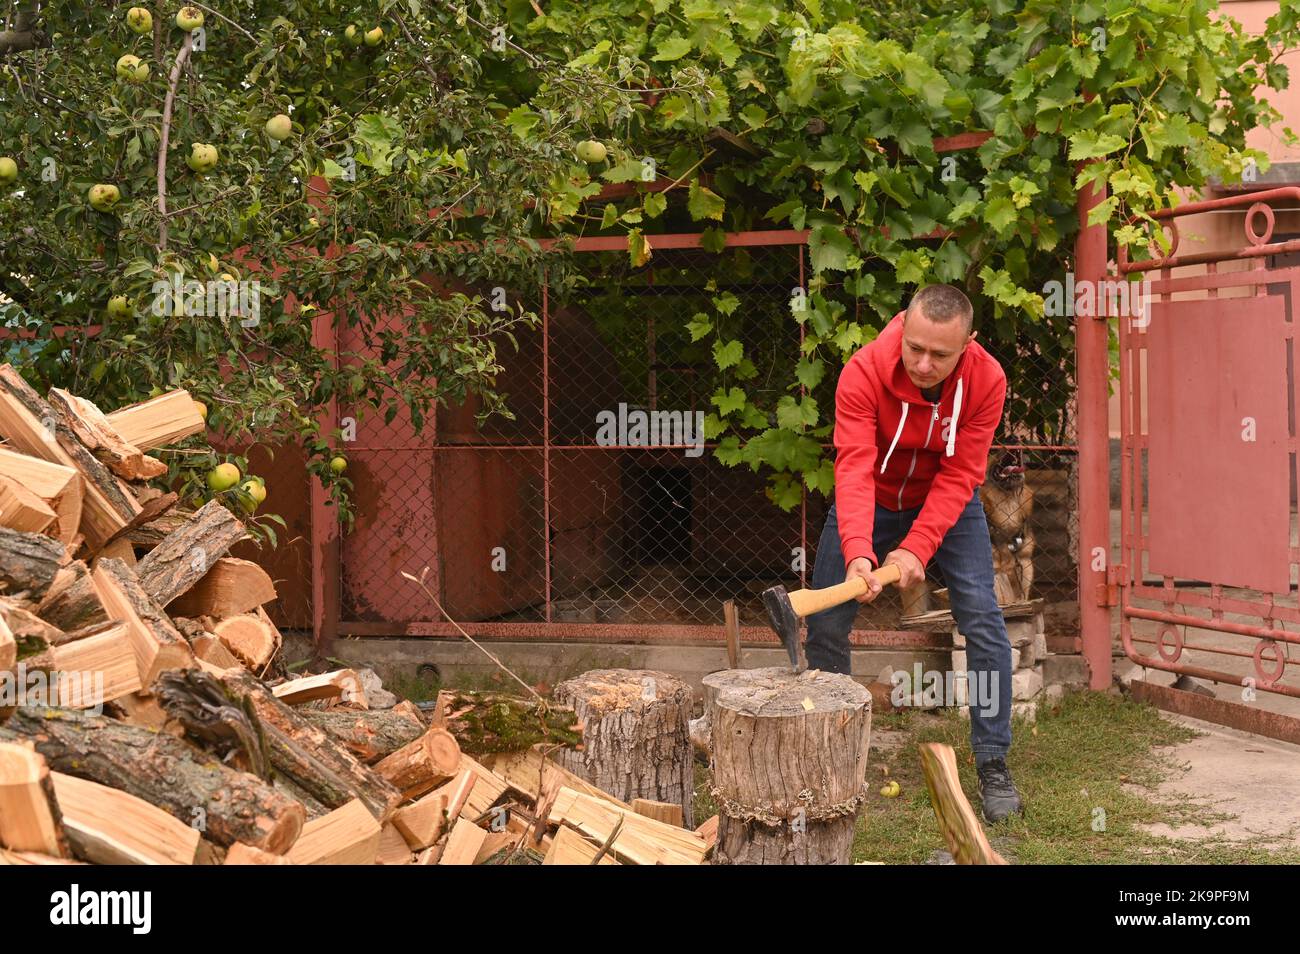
806	602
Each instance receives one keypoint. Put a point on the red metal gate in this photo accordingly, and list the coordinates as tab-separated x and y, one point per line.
1207	574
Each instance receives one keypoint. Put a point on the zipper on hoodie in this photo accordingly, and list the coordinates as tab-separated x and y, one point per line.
929	431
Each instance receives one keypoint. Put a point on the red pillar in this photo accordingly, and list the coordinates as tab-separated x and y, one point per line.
325	550
1092	358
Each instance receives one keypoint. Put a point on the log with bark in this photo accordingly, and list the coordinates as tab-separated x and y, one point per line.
72	602
28	562
189	784
90	426
185	556
371	734
485	723
306	755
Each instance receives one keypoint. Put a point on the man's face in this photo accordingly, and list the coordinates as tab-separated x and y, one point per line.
931	349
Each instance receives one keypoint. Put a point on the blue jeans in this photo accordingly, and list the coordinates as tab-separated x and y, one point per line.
965	558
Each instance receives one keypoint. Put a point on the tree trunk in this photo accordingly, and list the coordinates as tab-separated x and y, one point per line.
789	764
308	756
636	738
182	780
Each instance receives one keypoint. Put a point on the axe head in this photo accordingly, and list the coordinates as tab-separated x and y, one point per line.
781	617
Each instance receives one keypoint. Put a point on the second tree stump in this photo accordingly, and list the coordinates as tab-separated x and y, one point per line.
635	736
789	764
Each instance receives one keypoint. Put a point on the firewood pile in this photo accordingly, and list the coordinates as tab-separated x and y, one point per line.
146	715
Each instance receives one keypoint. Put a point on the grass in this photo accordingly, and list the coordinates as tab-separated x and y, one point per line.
1088	752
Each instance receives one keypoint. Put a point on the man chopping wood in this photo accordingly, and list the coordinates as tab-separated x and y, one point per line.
915	414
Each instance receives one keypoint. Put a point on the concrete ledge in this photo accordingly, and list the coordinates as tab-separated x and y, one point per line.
458	662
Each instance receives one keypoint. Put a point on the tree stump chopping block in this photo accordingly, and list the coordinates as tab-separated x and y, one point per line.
635	736
789	764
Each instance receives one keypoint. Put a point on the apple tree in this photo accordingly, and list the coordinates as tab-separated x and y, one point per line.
188	190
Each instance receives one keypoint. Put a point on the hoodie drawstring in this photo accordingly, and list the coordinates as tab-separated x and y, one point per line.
897	434
956	412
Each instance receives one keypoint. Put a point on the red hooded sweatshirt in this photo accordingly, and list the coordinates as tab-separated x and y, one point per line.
900	451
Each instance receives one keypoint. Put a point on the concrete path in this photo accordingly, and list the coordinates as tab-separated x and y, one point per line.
1256	780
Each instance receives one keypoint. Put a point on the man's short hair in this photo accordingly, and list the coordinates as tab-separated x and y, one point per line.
941	304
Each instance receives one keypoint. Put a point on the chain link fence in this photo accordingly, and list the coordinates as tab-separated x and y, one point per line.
602	503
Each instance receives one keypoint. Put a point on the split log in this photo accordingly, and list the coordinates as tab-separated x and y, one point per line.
370	734
90	426
789	764
33	858
185	556
157	644
20	617
29	812
422	822
60	487
190	785
8	648
488	722
251	639
570	848
636	740
89	671
493	845
32	427
669	814
487	790
241	854
634	839
28	561
463	844
422	764
531	774
307	756
212	650
349	835
108	827
231	587
72	602
325	685
143	709
119	548
22	510
962	831
159	421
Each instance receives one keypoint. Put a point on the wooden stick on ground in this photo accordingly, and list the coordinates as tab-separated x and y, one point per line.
731	628
962	831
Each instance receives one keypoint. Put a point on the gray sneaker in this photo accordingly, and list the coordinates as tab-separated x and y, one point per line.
997	792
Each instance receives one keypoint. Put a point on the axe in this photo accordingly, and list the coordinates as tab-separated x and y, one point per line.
784	610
